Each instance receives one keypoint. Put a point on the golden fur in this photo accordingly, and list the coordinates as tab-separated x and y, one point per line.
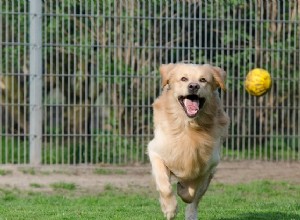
187	145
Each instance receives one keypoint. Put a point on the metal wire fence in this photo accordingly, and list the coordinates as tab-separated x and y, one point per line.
78	77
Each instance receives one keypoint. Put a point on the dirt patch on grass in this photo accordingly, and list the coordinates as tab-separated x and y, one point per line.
93	179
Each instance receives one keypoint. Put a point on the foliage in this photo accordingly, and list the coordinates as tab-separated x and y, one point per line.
100	61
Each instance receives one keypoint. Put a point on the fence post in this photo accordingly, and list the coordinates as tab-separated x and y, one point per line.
35	82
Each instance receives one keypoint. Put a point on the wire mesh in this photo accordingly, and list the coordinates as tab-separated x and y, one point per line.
100	62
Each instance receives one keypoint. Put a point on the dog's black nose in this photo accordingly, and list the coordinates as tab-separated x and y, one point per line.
193	87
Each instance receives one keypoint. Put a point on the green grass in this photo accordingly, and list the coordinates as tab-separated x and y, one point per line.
14	150
36	185
29	170
101	171
5	172
258	200
275	149
63	185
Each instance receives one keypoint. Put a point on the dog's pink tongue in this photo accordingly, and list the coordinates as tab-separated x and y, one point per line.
192	106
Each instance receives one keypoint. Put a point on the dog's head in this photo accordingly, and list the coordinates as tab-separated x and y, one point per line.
192	85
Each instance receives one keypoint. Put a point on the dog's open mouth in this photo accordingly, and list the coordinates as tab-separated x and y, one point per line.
191	104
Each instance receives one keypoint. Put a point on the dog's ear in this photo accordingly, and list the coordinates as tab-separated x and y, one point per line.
220	77
164	70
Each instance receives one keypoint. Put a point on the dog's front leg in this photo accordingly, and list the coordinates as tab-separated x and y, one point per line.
191	211
162	178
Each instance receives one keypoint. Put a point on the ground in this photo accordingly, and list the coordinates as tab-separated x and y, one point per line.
96	178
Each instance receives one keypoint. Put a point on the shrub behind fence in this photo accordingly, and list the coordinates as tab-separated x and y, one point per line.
97	75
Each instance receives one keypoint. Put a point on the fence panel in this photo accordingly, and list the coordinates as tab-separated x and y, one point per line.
14	82
100	61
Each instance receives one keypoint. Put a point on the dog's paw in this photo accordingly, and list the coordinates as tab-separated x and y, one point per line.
169	207
170	216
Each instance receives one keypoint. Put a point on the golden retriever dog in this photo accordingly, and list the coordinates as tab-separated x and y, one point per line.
189	128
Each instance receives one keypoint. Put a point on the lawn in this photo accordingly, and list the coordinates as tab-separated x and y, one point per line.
256	200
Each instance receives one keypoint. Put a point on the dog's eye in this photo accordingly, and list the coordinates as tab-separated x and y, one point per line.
202	80
184	79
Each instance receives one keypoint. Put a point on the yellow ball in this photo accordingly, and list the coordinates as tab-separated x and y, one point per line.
258	82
